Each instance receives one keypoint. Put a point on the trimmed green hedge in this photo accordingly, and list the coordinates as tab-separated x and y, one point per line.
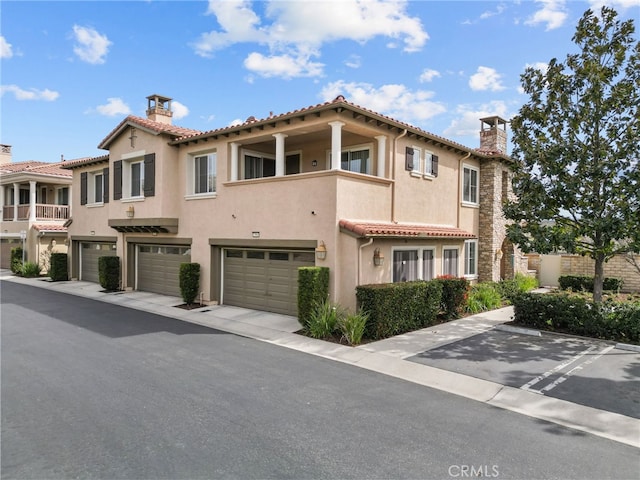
58	270
189	281
109	273
313	290
454	295
577	316
16	260
579	283
396	308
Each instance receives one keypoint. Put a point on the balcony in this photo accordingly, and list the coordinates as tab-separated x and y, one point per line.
47	212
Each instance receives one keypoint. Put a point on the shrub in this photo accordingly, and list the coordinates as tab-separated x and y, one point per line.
352	327
525	283
16	260
189	281
313	289
483	297
109	273
58	267
521	283
30	270
579	283
324	319
395	308
612	284
454	295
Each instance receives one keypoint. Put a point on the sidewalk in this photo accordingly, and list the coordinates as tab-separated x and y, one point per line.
386	356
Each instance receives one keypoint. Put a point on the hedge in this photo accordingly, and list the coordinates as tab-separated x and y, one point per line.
58	267
579	283
16	260
313	289
454	295
189	281
577	316
396	308
109	273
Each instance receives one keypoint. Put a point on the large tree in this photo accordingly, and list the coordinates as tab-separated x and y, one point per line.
576	148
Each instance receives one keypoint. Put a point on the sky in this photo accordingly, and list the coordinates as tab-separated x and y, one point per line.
72	71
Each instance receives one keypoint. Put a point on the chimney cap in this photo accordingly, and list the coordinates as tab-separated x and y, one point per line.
493	121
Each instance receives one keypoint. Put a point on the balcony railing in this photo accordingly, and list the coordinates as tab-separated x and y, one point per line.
43	212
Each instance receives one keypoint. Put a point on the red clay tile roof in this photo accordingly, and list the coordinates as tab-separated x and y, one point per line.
50	228
370	229
147	124
83	162
32	166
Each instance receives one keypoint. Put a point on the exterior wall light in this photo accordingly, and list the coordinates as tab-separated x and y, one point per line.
378	258
130	211
321	251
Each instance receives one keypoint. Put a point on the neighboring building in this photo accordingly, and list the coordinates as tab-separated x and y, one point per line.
35	203
253	202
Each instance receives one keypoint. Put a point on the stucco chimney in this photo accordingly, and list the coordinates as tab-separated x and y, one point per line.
159	109
5	154
493	134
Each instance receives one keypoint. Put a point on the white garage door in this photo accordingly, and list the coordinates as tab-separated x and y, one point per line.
90	252
158	268
264	279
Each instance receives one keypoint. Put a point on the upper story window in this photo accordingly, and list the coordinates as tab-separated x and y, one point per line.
356	159
258	166
421	162
135	183
94	188
204	174
97	193
470	185
63	196
134	178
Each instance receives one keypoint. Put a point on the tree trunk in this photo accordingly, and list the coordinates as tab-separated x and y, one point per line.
598	278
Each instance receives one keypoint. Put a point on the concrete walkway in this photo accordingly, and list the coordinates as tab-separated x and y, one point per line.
386	356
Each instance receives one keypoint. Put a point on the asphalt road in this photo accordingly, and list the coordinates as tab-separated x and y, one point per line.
93	390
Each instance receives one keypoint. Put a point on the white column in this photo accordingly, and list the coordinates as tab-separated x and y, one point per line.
32	201
382	154
234	161
16	200
279	153
336	144
1	197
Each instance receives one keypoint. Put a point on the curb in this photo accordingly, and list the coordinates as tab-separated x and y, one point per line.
524	331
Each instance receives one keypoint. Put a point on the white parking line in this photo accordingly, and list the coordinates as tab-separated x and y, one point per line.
527	386
570	372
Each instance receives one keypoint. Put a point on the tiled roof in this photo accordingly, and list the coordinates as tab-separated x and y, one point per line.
32	166
83	162
50	228
370	229
147	124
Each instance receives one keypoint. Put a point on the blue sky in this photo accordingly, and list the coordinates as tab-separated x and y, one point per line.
71	71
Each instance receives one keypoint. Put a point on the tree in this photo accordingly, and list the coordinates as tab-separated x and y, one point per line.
576	148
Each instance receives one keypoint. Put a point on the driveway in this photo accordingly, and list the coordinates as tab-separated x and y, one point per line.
584	371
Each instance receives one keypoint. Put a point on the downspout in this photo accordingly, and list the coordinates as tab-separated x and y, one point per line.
393	175
360	259
460	180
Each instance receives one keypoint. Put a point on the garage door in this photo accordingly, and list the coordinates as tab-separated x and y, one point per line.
158	268
90	252
6	245
264	279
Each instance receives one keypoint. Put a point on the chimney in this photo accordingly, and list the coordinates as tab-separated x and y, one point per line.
493	135
159	109
5	154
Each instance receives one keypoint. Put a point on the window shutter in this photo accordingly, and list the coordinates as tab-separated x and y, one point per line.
408	164
105	185
83	188
434	165
117	180
150	175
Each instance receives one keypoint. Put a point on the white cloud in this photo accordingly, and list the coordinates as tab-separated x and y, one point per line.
468	118
492	13
428	75
179	110
91	46
394	100
5	48
552	13
486	78
619	5
114	106
32	94
354	61
295	31
542	66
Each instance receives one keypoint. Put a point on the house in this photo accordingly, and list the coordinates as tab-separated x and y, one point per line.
35	203
335	184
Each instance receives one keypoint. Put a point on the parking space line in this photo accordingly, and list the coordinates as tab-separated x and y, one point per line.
539	378
578	367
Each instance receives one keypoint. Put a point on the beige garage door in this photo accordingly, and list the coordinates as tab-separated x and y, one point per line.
158	268
264	279
6	245
90	252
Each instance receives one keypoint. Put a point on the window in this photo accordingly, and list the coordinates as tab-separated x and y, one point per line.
63	196
94	188
259	166
417	160
134	177
24	196
413	264
205	174
450	261
97	188
137	179
470	185
292	164
471	258
356	161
